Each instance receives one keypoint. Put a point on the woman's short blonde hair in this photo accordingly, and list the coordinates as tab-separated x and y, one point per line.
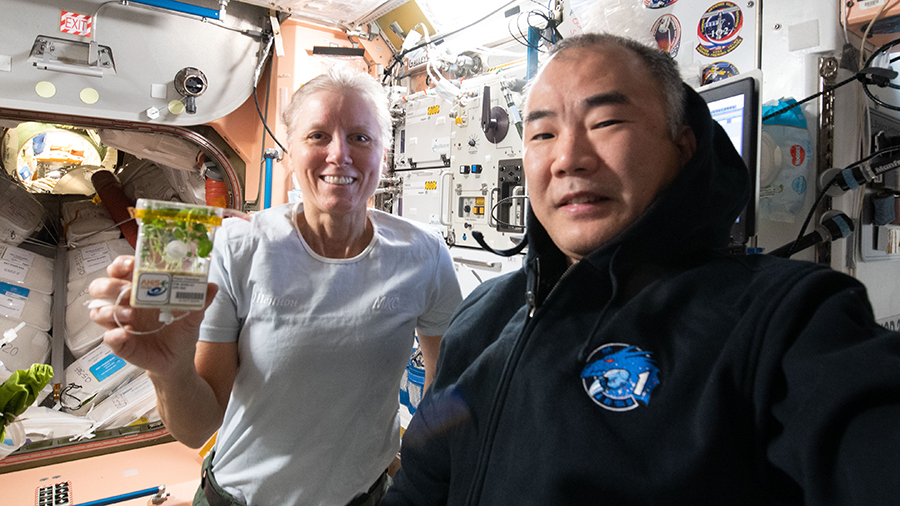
345	81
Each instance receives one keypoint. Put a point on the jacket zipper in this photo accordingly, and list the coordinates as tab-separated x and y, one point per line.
503	387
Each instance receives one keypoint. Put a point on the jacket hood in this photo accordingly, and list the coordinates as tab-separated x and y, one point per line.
693	214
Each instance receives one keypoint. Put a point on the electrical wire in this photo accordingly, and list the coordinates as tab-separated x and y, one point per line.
882	50
811	97
862	43
523	36
503	201
265	56
859	76
828	186
398	57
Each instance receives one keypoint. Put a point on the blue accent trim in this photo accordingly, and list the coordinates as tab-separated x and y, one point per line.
184	8
843	225
7	289
849	179
123	497
267	197
531	62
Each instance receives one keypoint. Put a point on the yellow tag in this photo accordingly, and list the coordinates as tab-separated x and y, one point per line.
208	446
434	109
178	216
431	185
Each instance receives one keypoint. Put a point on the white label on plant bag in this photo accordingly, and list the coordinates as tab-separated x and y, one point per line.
188	290
15	262
95	257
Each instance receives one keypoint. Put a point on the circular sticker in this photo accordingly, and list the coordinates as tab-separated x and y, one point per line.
719	30
667	32
176	107
717	71
89	96
658	4
45	89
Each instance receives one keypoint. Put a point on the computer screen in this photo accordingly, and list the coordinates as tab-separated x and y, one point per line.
729	112
734	104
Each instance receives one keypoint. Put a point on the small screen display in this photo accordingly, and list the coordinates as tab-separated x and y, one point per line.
734	105
729	112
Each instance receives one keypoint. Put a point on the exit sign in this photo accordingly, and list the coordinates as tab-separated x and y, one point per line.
75	24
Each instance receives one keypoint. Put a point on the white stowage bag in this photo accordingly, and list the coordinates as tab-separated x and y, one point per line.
82	334
22	304
42	423
89	262
31	346
24	268
86	264
127	404
15	438
87	223
20	213
93	377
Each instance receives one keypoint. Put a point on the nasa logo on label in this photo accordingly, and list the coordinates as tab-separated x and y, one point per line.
618	375
717	71
667	32
719	30
658	4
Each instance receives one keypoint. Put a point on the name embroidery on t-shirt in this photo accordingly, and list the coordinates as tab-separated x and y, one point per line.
270	300
386	303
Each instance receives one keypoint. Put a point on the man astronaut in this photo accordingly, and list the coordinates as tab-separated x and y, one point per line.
632	360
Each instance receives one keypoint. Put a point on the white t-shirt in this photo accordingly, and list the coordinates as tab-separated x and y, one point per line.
313	415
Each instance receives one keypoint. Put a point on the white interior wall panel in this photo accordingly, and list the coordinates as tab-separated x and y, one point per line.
148	47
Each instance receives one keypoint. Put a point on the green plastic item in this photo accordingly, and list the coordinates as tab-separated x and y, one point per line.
19	391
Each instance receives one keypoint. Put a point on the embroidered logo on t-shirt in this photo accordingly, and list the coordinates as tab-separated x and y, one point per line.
270	300
618	375
386	303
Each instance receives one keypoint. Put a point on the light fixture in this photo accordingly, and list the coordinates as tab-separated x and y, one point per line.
61	55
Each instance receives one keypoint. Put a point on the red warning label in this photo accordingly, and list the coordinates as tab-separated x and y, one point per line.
75	24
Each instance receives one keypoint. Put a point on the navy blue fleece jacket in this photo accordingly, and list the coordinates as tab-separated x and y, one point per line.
662	371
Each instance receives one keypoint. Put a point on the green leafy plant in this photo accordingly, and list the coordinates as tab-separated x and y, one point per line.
180	244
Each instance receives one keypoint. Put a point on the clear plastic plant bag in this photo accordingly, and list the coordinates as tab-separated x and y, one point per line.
172	255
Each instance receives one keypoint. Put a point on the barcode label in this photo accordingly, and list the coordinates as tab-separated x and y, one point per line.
189	296
869	4
189	291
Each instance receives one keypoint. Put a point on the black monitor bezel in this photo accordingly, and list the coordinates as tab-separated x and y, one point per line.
748	87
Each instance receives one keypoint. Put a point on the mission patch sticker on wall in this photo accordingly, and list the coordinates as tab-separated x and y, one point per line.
719	30
667	32
717	71
658	4
618	375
